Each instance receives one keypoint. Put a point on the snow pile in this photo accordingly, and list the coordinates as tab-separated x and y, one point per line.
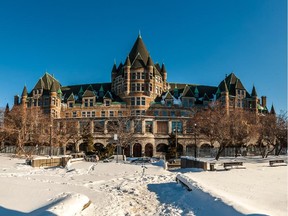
65	204
131	189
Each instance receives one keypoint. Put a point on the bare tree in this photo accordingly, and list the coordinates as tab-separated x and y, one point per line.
272	134
224	129
123	127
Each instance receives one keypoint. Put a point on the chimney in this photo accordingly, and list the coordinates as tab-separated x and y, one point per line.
263	99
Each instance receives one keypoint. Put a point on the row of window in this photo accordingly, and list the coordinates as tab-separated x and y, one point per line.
138	101
162	126
88	114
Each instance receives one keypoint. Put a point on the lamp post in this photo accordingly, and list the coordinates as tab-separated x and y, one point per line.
117	146
50	151
195	137
176	139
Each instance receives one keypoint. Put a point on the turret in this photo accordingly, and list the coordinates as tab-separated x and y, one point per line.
164	74
114	72
127	66
24	97
254	99
225	95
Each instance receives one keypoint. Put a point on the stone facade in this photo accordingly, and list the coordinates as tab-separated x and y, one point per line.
138	88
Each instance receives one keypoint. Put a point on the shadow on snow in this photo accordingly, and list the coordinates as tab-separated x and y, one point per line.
196	201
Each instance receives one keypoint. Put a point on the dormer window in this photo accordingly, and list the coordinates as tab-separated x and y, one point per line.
71	104
107	102
169	102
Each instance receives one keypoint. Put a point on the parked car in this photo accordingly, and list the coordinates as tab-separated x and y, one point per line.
141	160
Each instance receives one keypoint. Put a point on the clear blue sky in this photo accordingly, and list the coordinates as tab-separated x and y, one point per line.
198	40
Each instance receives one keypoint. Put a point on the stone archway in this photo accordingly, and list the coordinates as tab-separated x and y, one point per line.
137	150
148	150
191	150
99	147
204	150
127	151
162	147
83	147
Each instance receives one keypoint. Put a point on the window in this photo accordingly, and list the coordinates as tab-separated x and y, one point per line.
150	75
138	112
132	101
138	101
162	127
138	86
86	102
83	114
143	75
164	113
156	113
91	103
148	126
142	87
133	76
143	101
168	103
70	104
138	75
67	115
111	113
99	126
177	127
133	87
150	87
103	113
120	113
93	113
172	113
107	102
88	114
74	114
138	126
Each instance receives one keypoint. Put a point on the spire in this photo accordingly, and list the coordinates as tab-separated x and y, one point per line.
101	91
149	62
139	47
225	87
163	69
114	69
24	92
272	111
254	93
7	109
196	92
81	91
127	62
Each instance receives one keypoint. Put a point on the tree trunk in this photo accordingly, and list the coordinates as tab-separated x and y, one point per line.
268	152
220	150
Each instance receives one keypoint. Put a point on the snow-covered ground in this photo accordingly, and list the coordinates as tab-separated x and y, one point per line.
129	189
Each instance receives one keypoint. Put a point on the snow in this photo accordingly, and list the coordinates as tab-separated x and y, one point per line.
86	189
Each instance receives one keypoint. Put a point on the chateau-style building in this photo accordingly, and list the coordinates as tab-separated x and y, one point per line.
139	88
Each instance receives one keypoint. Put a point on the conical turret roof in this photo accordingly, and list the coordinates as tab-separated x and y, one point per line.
254	93
24	92
139	47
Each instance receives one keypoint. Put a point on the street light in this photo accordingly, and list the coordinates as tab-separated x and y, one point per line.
195	137
50	152
117	145
176	139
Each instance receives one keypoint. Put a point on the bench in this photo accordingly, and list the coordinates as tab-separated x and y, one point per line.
232	165
277	163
